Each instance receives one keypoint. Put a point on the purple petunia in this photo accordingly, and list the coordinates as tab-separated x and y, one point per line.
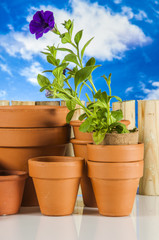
42	23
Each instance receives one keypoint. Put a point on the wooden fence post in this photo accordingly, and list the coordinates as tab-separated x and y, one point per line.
128	109
50	103
4	103
17	103
148	124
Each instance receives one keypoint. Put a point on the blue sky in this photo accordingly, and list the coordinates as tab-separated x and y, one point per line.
126	43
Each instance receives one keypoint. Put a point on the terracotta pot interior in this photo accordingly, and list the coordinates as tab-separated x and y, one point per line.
57	159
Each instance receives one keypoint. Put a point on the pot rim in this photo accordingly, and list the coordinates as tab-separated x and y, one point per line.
31	107
62	158
80	142
13	175
115	171
62	167
116	146
76	123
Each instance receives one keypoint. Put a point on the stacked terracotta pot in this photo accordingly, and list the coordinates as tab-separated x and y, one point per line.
31	131
80	150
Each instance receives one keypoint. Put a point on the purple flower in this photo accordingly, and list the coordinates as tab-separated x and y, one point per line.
48	93
42	23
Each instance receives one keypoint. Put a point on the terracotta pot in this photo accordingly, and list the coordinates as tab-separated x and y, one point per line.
126	122
17	158
118	153
11	191
32	116
34	137
115	186
56	181
121	138
78	134
80	150
115	177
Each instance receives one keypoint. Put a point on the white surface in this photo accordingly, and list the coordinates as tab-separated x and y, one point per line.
84	224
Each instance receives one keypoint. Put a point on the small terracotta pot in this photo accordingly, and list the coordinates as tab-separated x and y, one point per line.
32	116
17	158
78	134
34	137
115	172
56	180
11	191
80	150
115	186
126	122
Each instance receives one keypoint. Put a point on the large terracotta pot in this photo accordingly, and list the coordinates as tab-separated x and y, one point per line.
80	150
33	137
11	191
31	131
32	116
115	176
56	181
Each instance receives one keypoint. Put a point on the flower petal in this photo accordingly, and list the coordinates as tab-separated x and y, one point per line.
39	16
38	35
49	18
35	27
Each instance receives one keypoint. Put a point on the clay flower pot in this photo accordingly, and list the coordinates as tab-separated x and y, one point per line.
115	174
31	131
80	150
11	191
56	180
32	116
78	134
126	122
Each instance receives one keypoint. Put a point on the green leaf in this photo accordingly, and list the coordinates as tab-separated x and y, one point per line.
65	50
52	60
83	74
42	89
91	62
86	125
99	136
108	80
63	96
83	49
97	95
78	37
42	80
70	115
71	58
67	24
118	115
66	38
82	116
47	71
117	98
70	105
118	127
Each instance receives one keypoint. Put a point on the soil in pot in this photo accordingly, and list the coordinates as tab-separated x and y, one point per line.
80	150
11	191
121	139
115	176
56	180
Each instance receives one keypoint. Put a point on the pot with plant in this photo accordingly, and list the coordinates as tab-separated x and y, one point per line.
115	160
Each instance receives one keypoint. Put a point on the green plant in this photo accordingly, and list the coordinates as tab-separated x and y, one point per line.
67	84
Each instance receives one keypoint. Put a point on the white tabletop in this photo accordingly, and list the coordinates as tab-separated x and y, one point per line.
84	224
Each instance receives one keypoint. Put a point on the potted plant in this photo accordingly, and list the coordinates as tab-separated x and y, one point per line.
110	136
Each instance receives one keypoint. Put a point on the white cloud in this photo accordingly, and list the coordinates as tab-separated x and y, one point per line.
10	26
31	72
151	93
5	68
3	93
140	16
114	34
129	89
117	1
